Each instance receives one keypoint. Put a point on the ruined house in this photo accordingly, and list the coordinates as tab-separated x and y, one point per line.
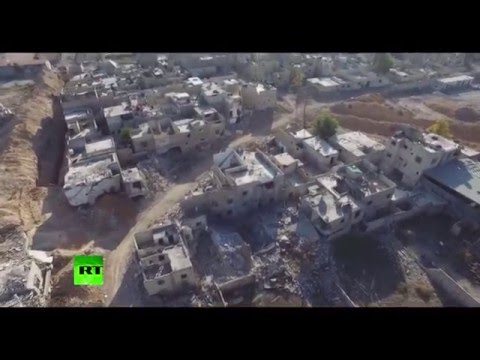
133	183
165	260
258	96
239	181
81	129
93	173
25	276
302	144
184	135
225	97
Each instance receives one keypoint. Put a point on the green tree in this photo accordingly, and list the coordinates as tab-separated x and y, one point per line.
382	63
325	126
125	135
296	79
441	127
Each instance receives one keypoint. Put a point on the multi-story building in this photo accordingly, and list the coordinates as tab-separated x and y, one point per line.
238	182
184	135
409	153
302	144
258	96
354	146
346	196
165	260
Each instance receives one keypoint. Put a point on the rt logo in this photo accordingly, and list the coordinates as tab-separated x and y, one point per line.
88	270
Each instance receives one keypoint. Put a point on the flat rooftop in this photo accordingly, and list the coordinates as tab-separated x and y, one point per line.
107	144
212	89
254	170
205	111
77	115
439	142
184	125
245	167
368	181
131	175
455	79
90	172
230	82
329	182
285	159
460	175
357	143
117	110
469	152
327	207
194	81
325	82
320	146
302	134
179	259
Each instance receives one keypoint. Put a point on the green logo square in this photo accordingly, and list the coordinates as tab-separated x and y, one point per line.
88	270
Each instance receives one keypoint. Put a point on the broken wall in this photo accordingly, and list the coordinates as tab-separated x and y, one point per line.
87	194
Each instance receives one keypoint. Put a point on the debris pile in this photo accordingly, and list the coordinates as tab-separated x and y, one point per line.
474	269
24	277
152	169
5	113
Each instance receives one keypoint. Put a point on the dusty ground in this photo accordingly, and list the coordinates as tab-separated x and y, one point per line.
118	261
375	115
432	238
31	150
20	198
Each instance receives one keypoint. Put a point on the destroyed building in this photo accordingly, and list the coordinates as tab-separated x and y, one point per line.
302	144
225	97
410	152
345	196
331	214
25	276
165	260
239	181
81	129
182	103
366	183
93	173
258	96
186	134
133	183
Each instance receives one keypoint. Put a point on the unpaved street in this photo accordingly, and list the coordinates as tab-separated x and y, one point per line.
118	260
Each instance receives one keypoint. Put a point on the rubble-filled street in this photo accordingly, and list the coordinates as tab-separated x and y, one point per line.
221	180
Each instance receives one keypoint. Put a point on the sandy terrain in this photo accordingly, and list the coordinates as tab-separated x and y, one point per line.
375	115
20	198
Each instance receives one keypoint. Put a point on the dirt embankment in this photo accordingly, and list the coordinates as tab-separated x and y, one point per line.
20	198
454	110
372	114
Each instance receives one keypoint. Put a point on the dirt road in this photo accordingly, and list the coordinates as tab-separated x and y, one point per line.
118	260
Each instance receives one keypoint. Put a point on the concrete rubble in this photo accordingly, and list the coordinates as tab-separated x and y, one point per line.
24	275
153	168
5	113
